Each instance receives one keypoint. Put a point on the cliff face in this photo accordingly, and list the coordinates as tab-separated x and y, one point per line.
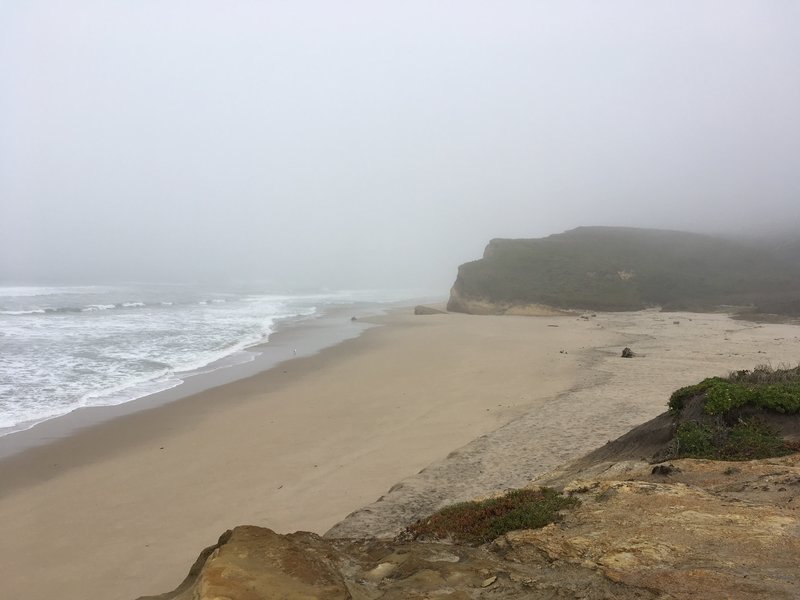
703	529
613	268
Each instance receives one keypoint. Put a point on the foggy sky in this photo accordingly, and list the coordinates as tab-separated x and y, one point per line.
380	143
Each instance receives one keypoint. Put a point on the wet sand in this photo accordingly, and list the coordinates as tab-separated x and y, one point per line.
122	508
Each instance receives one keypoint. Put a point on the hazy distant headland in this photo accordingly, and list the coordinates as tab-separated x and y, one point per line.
623	268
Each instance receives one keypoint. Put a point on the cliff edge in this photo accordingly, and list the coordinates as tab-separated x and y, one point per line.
699	529
628	527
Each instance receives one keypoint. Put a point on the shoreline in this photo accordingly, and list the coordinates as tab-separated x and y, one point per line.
119	509
470	403
307	335
77	435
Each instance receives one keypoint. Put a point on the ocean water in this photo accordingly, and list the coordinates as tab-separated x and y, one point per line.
68	347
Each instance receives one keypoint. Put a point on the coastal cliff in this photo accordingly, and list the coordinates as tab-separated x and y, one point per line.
699	529
629	528
620	268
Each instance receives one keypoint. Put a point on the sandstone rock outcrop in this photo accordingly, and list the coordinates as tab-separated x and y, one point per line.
708	529
701	529
460	302
258	564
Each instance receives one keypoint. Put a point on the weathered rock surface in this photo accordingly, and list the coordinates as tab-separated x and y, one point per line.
478	305
700	529
708	529
255	564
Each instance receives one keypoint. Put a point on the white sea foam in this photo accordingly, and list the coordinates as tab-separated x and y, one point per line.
14	421
92	307
65	354
82	346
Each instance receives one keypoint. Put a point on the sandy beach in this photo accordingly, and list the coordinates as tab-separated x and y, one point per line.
122	509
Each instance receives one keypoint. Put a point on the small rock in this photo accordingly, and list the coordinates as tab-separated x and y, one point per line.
489	581
382	571
665	470
427	310
627	353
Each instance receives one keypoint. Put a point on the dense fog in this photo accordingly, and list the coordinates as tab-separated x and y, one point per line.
376	144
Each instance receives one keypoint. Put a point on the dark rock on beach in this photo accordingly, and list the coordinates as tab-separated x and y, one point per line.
427	310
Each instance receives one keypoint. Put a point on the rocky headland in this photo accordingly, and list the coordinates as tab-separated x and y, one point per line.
622	268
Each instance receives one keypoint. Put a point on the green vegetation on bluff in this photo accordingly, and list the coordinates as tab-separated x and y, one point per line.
746	440
617	268
763	387
482	521
728	415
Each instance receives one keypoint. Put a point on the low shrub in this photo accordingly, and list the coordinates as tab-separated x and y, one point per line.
766	374
746	440
777	390
679	397
693	440
482	521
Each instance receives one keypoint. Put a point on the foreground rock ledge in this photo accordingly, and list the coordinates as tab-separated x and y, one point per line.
705	529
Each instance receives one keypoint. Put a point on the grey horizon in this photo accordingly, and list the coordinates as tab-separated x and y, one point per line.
357	144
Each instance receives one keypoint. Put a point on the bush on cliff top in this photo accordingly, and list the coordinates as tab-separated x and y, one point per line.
763	387
479	522
726	434
747	440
